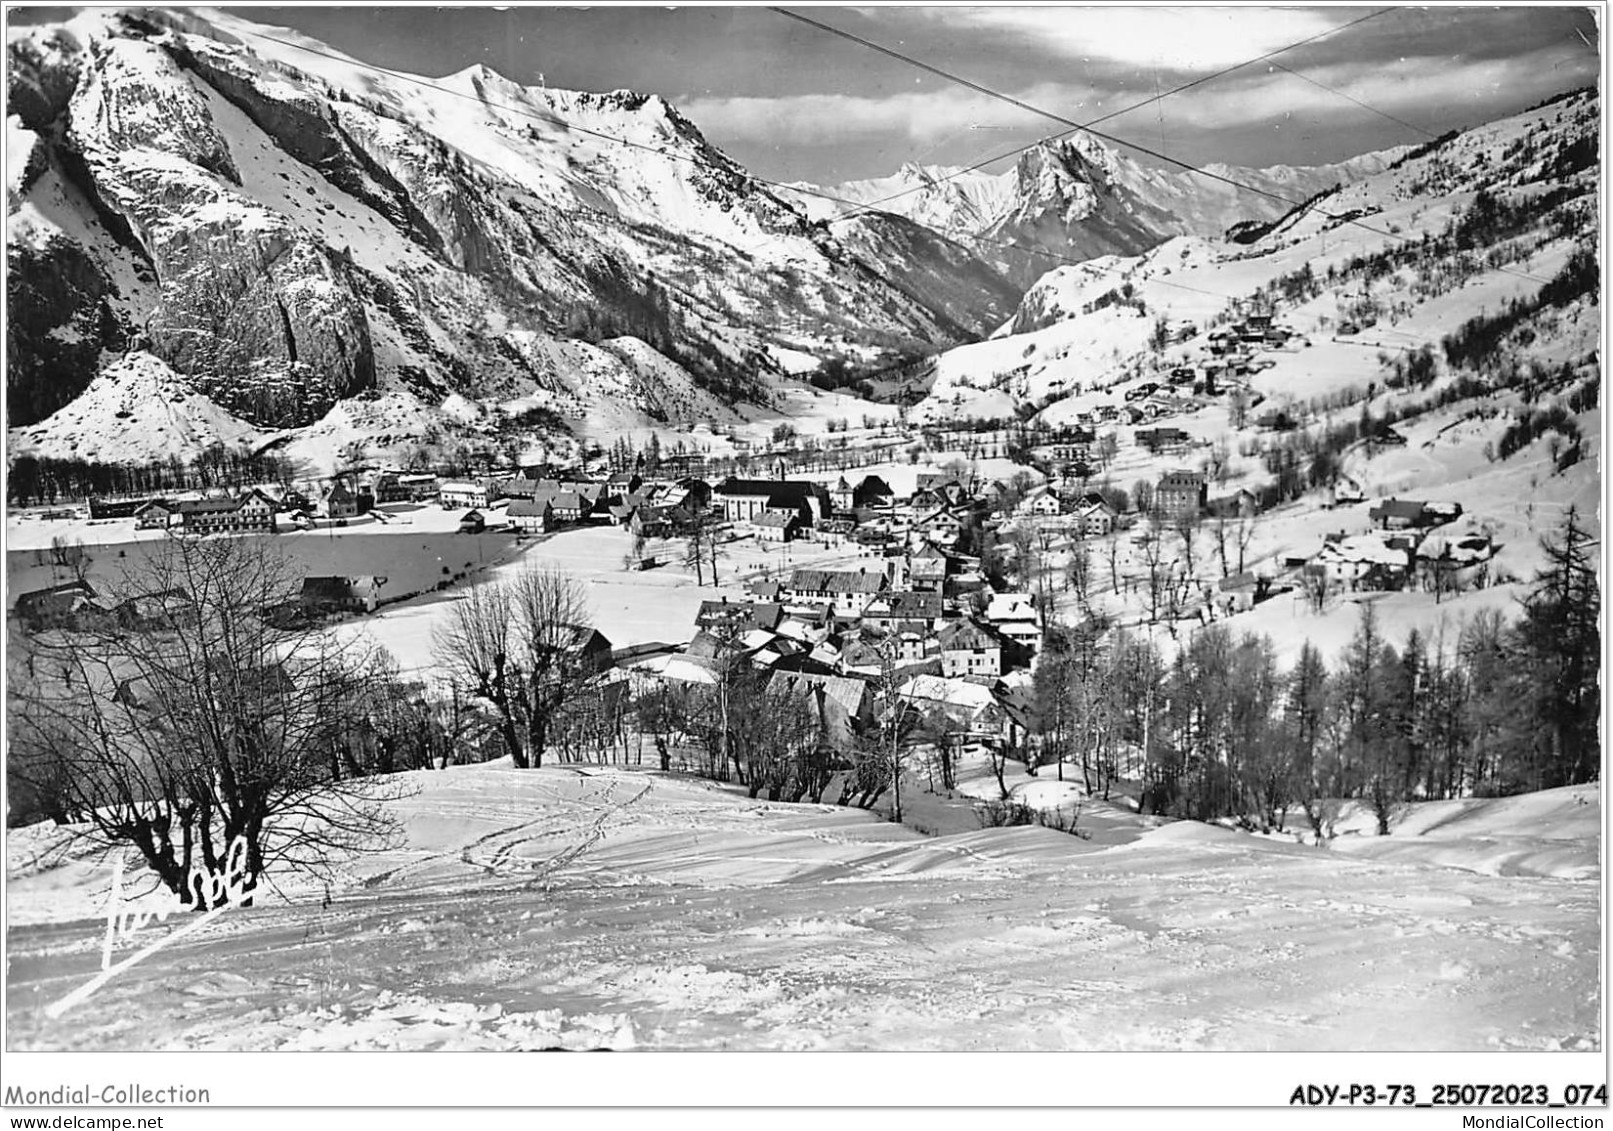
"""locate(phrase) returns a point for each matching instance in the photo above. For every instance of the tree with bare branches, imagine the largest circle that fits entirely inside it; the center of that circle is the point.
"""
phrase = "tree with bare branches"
(201, 737)
(519, 646)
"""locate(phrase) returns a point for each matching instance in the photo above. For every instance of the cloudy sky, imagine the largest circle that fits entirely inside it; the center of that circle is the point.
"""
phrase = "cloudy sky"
(794, 102)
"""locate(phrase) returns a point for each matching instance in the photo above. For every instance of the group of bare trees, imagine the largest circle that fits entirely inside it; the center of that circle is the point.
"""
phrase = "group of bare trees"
(193, 725)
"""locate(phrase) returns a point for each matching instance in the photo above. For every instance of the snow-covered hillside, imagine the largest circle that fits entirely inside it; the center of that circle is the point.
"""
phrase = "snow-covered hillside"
(285, 228)
(611, 907)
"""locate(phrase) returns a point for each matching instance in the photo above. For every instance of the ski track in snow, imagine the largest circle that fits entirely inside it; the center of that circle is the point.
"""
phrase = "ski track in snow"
(598, 907)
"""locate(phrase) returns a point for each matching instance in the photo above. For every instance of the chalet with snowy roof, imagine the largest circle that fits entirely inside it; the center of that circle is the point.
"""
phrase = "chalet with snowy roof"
(1365, 561)
(972, 706)
(530, 516)
(1446, 562)
(1013, 616)
(472, 522)
(456, 493)
(1180, 494)
(325, 595)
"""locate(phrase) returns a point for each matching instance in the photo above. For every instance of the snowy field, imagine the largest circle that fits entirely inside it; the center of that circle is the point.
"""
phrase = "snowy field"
(586, 907)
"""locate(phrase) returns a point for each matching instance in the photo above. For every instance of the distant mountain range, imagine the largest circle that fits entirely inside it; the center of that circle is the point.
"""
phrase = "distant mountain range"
(1076, 198)
(280, 237)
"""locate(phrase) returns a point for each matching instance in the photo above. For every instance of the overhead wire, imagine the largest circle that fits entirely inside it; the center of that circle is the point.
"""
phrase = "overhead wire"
(854, 207)
(980, 88)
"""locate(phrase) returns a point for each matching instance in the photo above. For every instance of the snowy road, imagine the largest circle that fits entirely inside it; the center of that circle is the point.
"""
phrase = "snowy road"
(595, 907)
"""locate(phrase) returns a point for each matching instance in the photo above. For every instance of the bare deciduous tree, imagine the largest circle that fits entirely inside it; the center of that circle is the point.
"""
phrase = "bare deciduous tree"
(198, 730)
(518, 646)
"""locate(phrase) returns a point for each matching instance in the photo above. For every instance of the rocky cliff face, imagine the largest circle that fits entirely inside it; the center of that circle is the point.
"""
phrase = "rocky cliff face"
(286, 229)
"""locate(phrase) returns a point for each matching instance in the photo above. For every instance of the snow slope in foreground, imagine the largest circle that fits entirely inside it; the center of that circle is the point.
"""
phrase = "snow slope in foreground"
(588, 906)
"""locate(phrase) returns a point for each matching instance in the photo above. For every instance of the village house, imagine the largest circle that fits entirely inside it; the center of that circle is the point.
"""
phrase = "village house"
(419, 488)
(60, 606)
(157, 515)
(843, 705)
(1158, 440)
(734, 617)
(1242, 591)
(972, 708)
(588, 649)
(518, 488)
(927, 569)
(472, 522)
(164, 609)
(872, 491)
(252, 513)
(1404, 514)
(1366, 561)
(325, 595)
(846, 592)
(530, 516)
(1040, 503)
(338, 500)
(456, 493)
(1013, 617)
(842, 496)
(1454, 562)
(886, 609)
(968, 650)
(385, 488)
(651, 522)
(1095, 517)
(776, 525)
(563, 505)
(1243, 503)
(939, 528)
(1180, 494)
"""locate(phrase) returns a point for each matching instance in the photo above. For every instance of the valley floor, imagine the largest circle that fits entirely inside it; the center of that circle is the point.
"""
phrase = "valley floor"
(588, 906)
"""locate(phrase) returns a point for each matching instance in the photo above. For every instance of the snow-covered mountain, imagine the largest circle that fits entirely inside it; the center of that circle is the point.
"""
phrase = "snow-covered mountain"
(284, 228)
(1469, 226)
(1077, 198)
